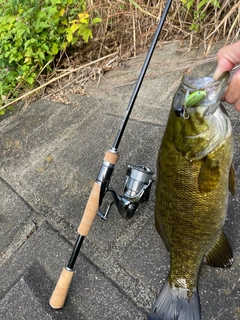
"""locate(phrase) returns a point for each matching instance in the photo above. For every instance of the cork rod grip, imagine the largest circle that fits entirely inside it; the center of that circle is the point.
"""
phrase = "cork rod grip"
(92, 206)
(90, 211)
(111, 157)
(59, 294)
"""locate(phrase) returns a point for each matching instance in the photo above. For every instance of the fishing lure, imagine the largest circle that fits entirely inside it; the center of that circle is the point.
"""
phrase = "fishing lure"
(194, 98)
(190, 100)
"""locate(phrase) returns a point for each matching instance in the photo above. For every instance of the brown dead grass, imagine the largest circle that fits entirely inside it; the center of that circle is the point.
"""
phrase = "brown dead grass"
(129, 25)
(127, 28)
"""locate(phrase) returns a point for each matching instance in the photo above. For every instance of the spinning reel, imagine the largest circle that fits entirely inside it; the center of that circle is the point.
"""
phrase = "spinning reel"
(136, 190)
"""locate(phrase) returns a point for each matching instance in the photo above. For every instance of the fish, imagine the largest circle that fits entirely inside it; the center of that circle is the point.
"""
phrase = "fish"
(195, 173)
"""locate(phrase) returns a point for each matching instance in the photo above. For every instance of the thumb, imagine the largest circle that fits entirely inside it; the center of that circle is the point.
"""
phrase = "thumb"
(227, 58)
(223, 65)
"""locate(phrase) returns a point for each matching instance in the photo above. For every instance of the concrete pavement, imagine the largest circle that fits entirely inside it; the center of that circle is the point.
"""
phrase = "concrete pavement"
(50, 156)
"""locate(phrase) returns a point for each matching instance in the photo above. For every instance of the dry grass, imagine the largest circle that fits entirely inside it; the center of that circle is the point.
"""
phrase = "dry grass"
(128, 27)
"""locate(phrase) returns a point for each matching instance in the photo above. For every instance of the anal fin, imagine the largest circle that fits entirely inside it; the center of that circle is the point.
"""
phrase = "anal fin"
(220, 254)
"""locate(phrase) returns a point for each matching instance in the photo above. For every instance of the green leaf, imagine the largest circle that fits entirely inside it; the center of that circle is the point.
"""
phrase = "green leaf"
(96, 20)
(29, 42)
(64, 45)
(87, 34)
(55, 48)
(74, 40)
(201, 4)
(74, 27)
(30, 80)
(43, 25)
(215, 3)
(54, 2)
(69, 37)
(84, 20)
(189, 4)
(41, 54)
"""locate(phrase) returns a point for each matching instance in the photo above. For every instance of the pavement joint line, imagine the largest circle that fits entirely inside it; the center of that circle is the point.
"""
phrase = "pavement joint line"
(100, 262)
(145, 295)
(116, 256)
(42, 210)
(19, 240)
(141, 120)
(17, 193)
(130, 282)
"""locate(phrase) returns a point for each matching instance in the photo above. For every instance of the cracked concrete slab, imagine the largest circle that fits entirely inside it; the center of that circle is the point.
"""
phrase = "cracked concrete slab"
(50, 154)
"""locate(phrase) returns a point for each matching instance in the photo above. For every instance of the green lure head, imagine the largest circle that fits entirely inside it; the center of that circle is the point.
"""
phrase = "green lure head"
(195, 98)
(200, 123)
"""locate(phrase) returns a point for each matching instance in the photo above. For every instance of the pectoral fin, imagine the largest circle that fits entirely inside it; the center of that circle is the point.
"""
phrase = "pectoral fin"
(232, 181)
(221, 253)
(209, 175)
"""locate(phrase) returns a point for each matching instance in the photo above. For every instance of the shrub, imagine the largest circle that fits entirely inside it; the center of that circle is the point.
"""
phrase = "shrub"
(200, 10)
(32, 33)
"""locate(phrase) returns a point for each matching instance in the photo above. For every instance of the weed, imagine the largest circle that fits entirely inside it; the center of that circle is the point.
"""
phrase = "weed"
(32, 33)
(199, 11)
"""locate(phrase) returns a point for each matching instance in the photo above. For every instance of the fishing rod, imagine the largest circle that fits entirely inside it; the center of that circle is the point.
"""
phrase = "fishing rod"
(136, 189)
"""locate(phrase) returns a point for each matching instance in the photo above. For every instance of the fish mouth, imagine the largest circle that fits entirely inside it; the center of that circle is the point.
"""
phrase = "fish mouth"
(219, 130)
(214, 90)
(205, 125)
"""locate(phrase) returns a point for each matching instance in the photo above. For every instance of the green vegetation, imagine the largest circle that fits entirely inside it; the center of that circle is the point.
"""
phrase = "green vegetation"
(129, 25)
(199, 10)
(32, 33)
(36, 34)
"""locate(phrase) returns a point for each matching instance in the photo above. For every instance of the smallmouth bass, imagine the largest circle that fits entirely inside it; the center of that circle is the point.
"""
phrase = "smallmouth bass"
(194, 176)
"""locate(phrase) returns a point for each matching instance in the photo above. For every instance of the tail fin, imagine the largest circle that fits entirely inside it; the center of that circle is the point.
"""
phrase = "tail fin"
(174, 304)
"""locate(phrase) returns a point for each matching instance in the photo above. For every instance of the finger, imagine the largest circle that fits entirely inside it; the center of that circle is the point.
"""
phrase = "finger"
(223, 65)
(232, 94)
(227, 57)
(237, 105)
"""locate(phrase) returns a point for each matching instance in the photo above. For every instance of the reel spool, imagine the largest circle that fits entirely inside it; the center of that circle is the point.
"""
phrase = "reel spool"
(137, 189)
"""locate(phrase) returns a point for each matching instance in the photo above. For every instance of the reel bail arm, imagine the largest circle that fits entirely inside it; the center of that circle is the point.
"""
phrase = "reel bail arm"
(136, 190)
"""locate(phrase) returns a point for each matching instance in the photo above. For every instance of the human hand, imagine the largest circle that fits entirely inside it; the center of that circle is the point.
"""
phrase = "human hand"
(227, 58)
